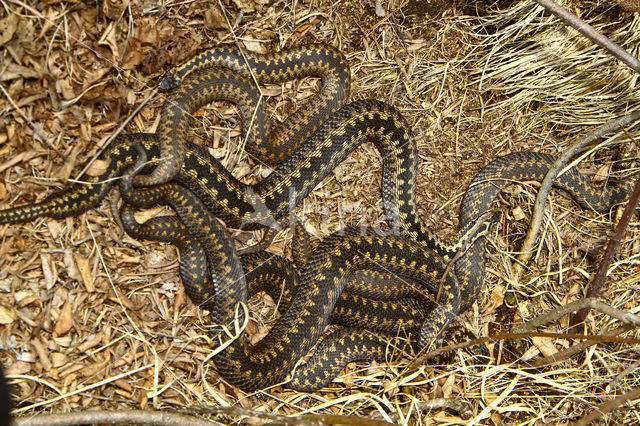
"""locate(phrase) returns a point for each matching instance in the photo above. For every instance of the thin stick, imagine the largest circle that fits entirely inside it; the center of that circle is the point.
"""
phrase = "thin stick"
(608, 407)
(588, 303)
(595, 36)
(607, 257)
(577, 348)
(419, 360)
(307, 419)
(591, 33)
(552, 174)
(117, 132)
(143, 417)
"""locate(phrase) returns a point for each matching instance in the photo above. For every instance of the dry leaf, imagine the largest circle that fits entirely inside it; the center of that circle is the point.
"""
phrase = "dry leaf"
(23, 156)
(64, 87)
(13, 71)
(70, 265)
(109, 39)
(65, 320)
(133, 57)
(118, 297)
(8, 27)
(260, 332)
(545, 345)
(69, 162)
(18, 367)
(447, 387)
(149, 33)
(7, 315)
(58, 359)
(602, 174)
(93, 369)
(517, 213)
(30, 300)
(214, 18)
(85, 272)
(255, 46)
(144, 215)
(93, 342)
(124, 384)
(246, 6)
(98, 168)
(416, 44)
(54, 228)
(497, 298)
(348, 381)
(49, 270)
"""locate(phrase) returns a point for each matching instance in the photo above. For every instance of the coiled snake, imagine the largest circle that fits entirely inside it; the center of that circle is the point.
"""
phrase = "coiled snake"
(262, 204)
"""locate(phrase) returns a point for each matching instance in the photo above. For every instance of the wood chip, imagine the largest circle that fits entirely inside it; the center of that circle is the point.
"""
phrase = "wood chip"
(43, 354)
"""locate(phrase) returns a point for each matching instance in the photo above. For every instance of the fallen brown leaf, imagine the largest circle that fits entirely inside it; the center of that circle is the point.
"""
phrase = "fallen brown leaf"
(98, 168)
(12, 71)
(58, 359)
(7, 315)
(65, 320)
(18, 367)
(85, 272)
(8, 27)
(23, 156)
(546, 345)
(49, 270)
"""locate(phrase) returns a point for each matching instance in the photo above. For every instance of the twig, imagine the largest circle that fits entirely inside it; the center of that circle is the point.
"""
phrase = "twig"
(552, 174)
(607, 257)
(630, 321)
(307, 419)
(607, 407)
(589, 303)
(117, 132)
(595, 36)
(503, 336)
(577, 348)
(114, 417)
(591, 33)
(77, 391)
(630, 369)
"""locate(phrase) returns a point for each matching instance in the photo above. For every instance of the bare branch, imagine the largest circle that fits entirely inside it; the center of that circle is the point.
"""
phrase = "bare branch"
(552, 174)
(591, 33)
(607, 407)
(607, 257)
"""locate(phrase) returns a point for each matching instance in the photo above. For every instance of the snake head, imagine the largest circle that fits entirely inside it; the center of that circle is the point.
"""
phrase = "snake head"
(169, 81)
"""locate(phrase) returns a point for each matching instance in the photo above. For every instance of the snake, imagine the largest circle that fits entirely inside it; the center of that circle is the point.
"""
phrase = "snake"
(241, 205)
(267, 363)
(81, 197)
(373, 299)
(365, 304)
(319, 60)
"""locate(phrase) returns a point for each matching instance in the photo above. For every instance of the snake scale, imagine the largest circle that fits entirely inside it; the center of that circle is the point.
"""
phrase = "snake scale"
(203, 185)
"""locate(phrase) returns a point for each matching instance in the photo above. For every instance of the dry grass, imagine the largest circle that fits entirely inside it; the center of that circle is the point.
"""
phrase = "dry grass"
(472, 88)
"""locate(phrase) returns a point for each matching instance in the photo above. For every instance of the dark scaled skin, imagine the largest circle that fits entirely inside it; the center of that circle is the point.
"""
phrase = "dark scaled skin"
(321, 283)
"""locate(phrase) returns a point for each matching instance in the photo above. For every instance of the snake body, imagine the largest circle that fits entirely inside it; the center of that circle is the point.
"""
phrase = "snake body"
(321, 283)
(373, 299)
(319, 61)
(411, 251)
